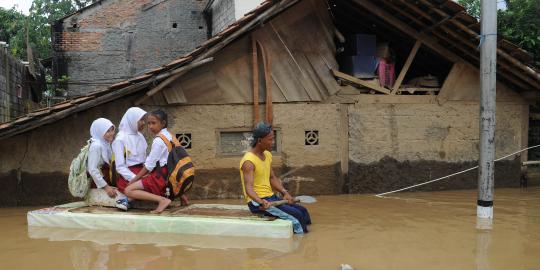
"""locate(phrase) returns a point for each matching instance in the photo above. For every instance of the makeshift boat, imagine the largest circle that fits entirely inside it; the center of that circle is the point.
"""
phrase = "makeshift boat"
(200, 219)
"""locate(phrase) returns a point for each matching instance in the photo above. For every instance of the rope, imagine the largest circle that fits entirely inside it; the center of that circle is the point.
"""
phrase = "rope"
(450, 175)
(482, 39)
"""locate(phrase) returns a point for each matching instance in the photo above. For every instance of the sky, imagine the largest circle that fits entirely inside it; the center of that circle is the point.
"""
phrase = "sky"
(24, 5)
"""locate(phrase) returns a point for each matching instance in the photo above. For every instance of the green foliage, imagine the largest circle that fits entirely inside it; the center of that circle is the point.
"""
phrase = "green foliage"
(519, 23)
(472, 7)
(42, 14)
(12, 22)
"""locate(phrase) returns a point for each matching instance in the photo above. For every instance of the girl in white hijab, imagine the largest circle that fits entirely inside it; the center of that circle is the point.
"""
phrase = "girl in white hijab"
(129, 149)
(100, 155)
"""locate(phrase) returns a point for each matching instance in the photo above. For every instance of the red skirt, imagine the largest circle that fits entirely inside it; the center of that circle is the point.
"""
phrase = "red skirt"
(153, 183)
(156, 183)
(105, 171)
(122, 183)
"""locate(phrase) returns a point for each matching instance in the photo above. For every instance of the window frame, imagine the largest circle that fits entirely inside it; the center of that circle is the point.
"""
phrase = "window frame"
(219, 131)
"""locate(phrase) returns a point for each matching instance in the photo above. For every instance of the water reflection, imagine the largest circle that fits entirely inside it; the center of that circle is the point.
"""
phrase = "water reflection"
(162, 239)
(483, 240)
(93, 249)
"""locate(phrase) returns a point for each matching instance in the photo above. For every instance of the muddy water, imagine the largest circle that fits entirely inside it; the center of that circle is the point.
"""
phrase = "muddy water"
(432, 230)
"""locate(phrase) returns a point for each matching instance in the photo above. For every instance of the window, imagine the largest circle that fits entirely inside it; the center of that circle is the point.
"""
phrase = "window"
(236, 143)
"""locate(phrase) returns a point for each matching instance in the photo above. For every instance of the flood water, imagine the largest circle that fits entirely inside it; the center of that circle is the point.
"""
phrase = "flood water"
(428, 230)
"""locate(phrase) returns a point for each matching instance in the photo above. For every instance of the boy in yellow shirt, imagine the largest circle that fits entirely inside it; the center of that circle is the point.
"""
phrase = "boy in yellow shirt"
(259, 181)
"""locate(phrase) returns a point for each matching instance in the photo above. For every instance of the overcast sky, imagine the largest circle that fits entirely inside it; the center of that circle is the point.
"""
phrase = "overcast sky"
(24, 5)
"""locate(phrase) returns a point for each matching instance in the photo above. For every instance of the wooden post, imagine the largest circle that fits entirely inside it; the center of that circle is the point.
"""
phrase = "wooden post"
(405, 68)
(488, 82)
(255, 72)
(267, 83)
(268, 88)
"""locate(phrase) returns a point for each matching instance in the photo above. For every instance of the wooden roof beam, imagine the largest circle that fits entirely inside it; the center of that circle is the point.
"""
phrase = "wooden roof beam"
(405, 68)
(441, 22)
(502, 53)
(502, 63)
(368, 84)
(398, 24)
(404, 13)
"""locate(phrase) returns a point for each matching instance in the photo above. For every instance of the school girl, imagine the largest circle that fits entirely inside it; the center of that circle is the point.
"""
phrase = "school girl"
(100, 155)
(150, 182)
(129, 150)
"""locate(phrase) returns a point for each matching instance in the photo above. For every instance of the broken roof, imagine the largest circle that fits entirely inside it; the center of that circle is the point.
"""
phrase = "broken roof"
(444, 27)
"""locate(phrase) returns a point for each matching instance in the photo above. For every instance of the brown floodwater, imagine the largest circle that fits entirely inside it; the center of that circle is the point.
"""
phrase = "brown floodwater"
(423, 230)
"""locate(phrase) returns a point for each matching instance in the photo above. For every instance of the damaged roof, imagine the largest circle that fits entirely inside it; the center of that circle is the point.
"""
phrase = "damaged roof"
(437, 23)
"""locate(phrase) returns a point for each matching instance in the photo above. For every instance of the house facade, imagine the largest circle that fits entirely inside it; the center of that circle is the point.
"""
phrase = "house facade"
(335, 133)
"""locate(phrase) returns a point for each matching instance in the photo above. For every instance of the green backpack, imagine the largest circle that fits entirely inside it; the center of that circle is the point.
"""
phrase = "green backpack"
(78, 181)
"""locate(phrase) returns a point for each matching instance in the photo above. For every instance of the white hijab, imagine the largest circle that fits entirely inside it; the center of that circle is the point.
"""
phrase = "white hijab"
(98, 129)
(129, 134)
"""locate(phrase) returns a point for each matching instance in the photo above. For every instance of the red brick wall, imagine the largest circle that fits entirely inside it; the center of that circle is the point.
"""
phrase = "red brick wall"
(81, 41)
(113, 15)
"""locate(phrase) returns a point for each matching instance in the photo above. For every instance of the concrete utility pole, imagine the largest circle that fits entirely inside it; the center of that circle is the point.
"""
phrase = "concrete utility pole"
(488, 68)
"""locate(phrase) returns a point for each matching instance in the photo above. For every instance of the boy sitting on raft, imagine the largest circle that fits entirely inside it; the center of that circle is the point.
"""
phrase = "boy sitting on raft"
(258, 180)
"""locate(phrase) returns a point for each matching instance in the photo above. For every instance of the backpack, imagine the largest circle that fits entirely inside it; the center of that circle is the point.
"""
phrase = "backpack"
(180, 169)
(78, 181)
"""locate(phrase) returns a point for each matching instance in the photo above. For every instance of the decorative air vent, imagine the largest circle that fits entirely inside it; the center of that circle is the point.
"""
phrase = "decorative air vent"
(311, 137)
(184, 139)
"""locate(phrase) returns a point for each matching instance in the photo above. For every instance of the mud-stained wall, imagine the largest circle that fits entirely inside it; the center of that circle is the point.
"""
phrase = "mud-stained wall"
(34, 165)
(395, 142)
(427, 131)
(217, 174)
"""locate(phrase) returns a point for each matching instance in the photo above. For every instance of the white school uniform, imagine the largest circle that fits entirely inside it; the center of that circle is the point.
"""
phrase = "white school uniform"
(158, 152)
(99, 151)
(129, 143)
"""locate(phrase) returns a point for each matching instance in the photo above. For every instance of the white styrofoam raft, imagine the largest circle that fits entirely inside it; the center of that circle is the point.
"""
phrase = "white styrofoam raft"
(61, 217)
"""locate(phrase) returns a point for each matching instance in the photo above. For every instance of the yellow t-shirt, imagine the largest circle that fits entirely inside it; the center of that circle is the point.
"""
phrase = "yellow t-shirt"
(261, 175)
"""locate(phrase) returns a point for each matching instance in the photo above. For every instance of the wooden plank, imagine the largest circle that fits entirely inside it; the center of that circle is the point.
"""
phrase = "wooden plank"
(267, 83)
(451, 81)
(255, 74)
(309, 87)
(344, 145)
(411, 90)
(283, 70)
(324, 72)
(303, 36)
(524, 130)
(174, 95)
(175, 74)
(200, 85)
(364, 83)
(157, 100)
(405, 68)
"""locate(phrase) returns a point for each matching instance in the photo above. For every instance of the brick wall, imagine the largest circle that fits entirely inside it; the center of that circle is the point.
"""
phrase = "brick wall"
(222, 15)
(119, 39)
(80, 41)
